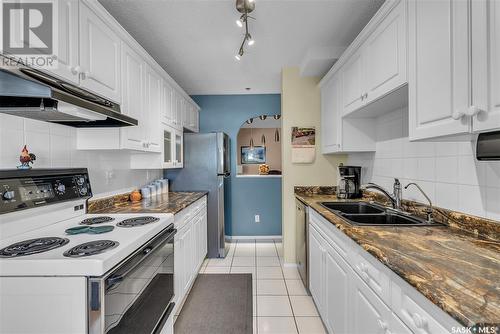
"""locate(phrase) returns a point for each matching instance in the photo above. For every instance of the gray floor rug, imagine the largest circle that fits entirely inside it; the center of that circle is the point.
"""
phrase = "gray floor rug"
(218, 304)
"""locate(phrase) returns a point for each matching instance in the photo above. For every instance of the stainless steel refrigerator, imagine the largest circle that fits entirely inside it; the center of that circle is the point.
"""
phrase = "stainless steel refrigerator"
(207, 167)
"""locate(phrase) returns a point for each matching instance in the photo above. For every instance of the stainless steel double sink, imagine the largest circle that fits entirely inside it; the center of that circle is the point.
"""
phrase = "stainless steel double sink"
(370, 214)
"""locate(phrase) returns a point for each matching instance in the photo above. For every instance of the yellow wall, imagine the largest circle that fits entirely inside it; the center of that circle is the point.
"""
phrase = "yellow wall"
(301, 106)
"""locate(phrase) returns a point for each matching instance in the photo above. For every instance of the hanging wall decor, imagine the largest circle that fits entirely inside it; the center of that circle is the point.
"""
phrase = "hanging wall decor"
(26, 158)
(303, 144)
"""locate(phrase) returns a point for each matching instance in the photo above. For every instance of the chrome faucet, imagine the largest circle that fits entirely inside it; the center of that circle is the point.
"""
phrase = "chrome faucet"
(430, 210)
(395, 198)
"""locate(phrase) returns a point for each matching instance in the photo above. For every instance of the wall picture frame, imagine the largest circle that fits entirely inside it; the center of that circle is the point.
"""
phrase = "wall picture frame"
(255, 155)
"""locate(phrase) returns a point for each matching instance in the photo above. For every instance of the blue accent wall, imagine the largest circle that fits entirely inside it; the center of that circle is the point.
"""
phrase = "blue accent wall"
(245, 197)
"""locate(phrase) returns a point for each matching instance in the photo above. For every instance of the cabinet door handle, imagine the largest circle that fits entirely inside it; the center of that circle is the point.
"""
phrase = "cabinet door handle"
(364, 271)
(85, 75)
(362, 97)
(382, 324)
(365, 95)
(457, 114)
(419, 321)
(469, 112)
(75, 70)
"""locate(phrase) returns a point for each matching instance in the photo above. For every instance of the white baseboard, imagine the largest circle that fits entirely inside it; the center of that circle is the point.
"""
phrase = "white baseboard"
(253, 237)
(290, 265)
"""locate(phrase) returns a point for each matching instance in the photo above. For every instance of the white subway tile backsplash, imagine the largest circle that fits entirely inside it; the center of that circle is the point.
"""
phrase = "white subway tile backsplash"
(426, 169)
(9, 122)
(492, 174)
(39, 144)
(466, 148)
(469, 170)
(446, 149)
(493, 203)
(31, 125)
(410, 167)
(9, 139)
(447, 171)
(472, 199)
(55, 147)
(447, 196)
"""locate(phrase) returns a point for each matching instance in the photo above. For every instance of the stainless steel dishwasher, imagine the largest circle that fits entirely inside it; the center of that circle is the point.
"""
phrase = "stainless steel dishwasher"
(301, 241)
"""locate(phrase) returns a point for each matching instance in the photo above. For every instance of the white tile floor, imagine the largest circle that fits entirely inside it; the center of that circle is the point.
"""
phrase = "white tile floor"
(280, 303)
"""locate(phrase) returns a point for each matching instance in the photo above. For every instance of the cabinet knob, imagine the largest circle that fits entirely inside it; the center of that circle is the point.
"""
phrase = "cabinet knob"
(382, 324)
(469, 112)
(473, 111)
(457, 114)
(75, 70)
(419, 321)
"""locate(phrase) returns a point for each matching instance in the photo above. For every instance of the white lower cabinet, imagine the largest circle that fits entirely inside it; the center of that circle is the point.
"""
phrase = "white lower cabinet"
(356, 294)
(316, 266)
(370, 314)
(337, 295)
(190, 247)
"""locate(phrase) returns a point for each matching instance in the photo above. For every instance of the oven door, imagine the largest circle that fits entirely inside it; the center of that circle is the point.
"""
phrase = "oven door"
(136, 297)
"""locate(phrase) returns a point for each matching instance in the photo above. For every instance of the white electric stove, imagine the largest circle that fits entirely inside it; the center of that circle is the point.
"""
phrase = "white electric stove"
(65, 271)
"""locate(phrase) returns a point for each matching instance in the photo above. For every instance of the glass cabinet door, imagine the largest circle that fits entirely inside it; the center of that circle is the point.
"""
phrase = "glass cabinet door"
(168, 147)
(178, 149)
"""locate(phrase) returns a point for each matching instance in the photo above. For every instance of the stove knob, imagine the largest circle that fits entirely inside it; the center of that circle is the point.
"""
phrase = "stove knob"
(60, 188)
(83, 191)
(8, 195)
(80, 180)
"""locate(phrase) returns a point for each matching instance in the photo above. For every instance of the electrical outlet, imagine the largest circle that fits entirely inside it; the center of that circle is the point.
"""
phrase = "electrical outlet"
(257, 218)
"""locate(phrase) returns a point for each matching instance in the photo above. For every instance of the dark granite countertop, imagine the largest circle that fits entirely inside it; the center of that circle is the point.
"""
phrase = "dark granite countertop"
(457, 270)
(173, 202)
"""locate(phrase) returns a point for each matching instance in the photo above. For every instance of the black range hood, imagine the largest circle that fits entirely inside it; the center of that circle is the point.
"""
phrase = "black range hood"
(27, 92)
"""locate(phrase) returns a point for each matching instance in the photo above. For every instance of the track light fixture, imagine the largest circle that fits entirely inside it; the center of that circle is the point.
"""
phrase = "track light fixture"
(245, 7)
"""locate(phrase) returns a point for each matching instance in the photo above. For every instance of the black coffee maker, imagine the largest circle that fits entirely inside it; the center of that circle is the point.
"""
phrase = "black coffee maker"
(349, 182)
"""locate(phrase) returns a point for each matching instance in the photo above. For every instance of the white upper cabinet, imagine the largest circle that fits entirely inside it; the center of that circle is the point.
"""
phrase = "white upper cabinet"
(168, 110)
(339, 134)
(133, 86)
(153, 103)
(365, 82)
(439, 67)
(179, 101)
(385, 55)
(378, 65)
(67, 53)
(485, 106)
(99, 55)
(352, 83)
(330, 116)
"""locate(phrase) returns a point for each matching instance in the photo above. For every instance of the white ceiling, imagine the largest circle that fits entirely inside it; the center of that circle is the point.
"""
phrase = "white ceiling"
(196, 40)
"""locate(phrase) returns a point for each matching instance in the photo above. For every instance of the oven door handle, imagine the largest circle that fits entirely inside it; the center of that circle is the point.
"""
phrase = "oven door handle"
(115, 279)
(163, 319)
